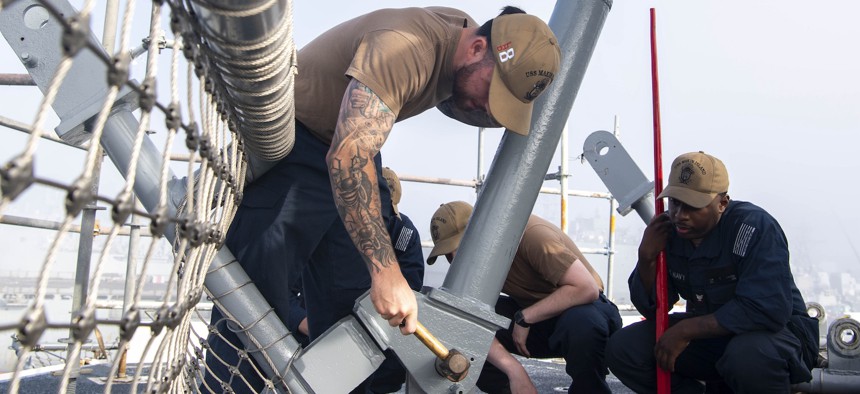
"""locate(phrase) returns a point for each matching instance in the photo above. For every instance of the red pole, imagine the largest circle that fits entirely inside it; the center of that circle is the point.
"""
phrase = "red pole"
(663, 378)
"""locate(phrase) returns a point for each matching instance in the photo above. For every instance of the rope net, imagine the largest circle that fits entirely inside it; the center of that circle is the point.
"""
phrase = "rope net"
(115, 275)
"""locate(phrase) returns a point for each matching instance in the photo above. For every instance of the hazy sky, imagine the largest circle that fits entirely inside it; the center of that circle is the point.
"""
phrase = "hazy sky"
(770, 87)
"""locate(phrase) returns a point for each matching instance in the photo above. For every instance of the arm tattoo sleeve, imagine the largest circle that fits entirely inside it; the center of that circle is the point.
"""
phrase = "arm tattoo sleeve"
(362, 127)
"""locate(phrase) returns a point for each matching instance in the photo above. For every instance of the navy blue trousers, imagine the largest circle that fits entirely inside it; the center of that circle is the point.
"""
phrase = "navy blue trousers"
(288, 221)
(578, 335)
(753, 362)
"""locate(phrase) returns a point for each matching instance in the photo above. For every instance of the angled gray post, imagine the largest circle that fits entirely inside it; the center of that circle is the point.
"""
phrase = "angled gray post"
(518, 170)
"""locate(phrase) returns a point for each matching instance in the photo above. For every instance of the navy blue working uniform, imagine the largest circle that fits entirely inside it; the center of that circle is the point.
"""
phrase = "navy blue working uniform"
(578, 335)
(407, 248)
(739, 273)
(270, 243)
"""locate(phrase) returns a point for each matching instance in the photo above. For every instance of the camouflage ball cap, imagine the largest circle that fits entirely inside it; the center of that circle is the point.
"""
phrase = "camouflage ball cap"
(527, 58)
(696, 178)
(447, 227)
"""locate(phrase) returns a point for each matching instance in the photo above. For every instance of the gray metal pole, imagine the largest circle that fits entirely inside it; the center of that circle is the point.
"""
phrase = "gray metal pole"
(52, 225)
(515, 178)
(16, 80)
(130, 282)
(82, 272)
(479, 179)
(562, 180)
(610, 255)
(118, 141)
(15, 125)
(109, 31)
(610, 250)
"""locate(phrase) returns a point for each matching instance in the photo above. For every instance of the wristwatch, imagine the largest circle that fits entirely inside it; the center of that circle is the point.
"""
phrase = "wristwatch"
(520, 319)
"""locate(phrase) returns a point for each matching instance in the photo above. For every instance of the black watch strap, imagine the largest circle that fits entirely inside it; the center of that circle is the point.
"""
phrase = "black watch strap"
(520, 320)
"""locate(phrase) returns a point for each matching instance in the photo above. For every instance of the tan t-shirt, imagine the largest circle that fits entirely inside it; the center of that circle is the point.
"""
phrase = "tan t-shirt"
(405, 56)
(544, 255)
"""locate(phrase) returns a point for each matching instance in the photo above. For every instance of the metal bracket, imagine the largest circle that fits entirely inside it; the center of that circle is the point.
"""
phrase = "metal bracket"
(348, 342)
(456, 328)
(843, 345)
(33, 33)
(620, 174)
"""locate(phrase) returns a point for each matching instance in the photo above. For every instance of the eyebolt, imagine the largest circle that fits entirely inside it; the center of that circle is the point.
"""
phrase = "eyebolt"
(848, 336)
(843, 337)
(815, 310)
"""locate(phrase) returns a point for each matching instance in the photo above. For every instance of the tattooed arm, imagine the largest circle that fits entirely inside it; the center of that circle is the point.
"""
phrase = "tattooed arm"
(362, 127)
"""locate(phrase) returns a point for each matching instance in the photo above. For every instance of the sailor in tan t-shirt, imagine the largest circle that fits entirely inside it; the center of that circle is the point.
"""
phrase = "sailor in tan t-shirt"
(554, 299)
(324, 209)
